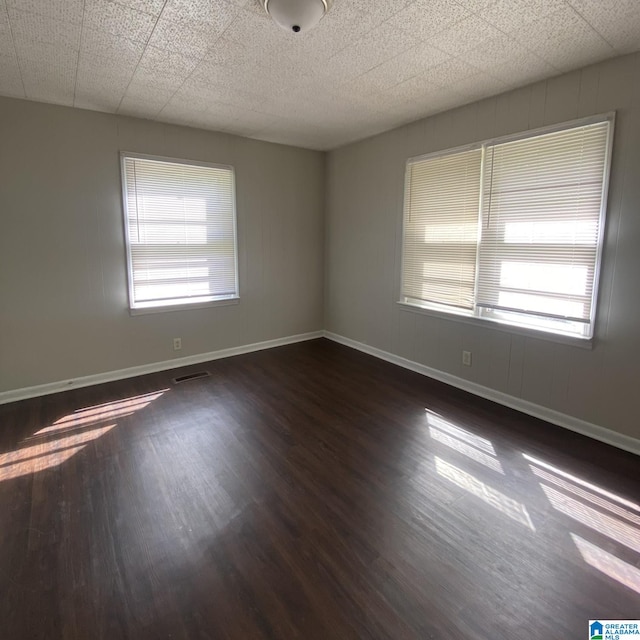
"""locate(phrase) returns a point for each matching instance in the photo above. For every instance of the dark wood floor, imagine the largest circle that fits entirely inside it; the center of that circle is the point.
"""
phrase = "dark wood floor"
(307, 492)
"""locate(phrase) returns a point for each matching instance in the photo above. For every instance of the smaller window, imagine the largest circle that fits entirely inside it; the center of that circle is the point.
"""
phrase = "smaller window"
(510, 230)
(180, 226)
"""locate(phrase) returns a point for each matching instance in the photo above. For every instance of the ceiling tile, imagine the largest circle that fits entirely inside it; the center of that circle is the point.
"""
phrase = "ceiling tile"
(298, 134)
(404, 66)
(192, 106)
(521, 69)
(368, 65)
(478, 86)
(51, 56)
(8, 60)
(171, 63)
(39, 28)
(96, 99)
(187, 37)
(229, 52)
(335, 32)
(49, 83)
(597, 11)
(185, 119)
(355, 18)
(426, 18)
(53, 94)
(475, 6)
(4, 17)
(450, 72)
(411, 89)
(421, 106)
(625, 38)
(620, 27)
(186, 105)
(95, 70)
(61, 67)
(180, 119)
(70, 11)
(144, 107)
(551, 28)
(10, 78)
(210, 77)
(108, 45)
(377, 46)
(159, 85)
(259, 31)
(576, 50)
(491, 52)
(564, 39)
(510, 15)
(121, 21)
(152, 7)
(11, 86)
(235, 97)
(464, 35)
(218, 115)
(222, 78)
(6, 42)
(216, 12)
(251, 121)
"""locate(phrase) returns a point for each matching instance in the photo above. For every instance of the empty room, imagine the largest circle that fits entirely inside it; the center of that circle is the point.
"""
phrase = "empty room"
(319, 319)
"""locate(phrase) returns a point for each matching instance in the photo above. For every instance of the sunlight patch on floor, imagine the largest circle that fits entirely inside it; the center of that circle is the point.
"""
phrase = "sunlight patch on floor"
(511, 508)
(607, 563)
(53, 445)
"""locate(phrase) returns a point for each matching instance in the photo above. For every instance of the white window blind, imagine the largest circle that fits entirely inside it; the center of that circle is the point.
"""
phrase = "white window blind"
(511, 230)
(181, 232)
(541, 225)
(441, 229)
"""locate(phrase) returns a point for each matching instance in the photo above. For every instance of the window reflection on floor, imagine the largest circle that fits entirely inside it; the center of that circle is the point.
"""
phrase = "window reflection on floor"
(594, 487)
(605, 514)
(512, 508)
(439, 422)
(465, 449)
(587, 495)
(610, 565)
(46, 454)
(107, 411)
(55, 444)
(606, 525)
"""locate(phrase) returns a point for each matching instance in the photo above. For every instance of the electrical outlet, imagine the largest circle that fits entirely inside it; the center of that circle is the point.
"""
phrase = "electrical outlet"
(177, 344)
(466, 358)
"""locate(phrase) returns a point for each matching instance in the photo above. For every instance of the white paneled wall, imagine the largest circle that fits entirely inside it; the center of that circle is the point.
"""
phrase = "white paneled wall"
(63, 284)
(363, 228)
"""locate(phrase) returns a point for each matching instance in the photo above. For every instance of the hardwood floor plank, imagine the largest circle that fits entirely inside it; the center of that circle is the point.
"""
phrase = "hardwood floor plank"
(309, 492)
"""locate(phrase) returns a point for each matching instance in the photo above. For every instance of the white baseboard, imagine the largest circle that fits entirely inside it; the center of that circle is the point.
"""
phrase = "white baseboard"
(594, 431)
(154, 367)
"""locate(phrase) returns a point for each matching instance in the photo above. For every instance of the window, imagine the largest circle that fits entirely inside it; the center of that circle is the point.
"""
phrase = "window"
(180, 227)
(510, 230)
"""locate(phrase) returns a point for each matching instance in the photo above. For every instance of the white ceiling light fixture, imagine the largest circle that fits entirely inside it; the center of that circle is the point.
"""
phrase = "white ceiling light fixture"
(297, 16)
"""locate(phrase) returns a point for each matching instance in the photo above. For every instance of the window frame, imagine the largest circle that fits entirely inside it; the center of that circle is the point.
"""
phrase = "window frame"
(180, 306)
(476, 316)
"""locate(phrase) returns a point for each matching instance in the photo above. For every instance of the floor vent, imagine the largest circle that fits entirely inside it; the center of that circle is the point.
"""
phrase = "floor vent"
(191, 376)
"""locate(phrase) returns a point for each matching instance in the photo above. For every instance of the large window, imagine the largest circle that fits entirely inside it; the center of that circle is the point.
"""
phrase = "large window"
(180, 226)
(510, 230)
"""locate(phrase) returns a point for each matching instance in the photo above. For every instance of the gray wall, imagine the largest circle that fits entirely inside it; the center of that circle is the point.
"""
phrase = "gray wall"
(363, 227)
(63, 293)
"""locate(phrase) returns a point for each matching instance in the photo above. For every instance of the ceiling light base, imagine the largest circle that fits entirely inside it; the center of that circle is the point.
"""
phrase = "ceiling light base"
(296, 16)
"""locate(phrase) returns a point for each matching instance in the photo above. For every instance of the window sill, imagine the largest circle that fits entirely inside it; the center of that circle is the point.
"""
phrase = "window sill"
(540, 334)
(143, 311)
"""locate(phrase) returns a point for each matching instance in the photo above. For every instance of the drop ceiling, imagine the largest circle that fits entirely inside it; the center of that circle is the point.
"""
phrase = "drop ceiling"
(370, 65)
